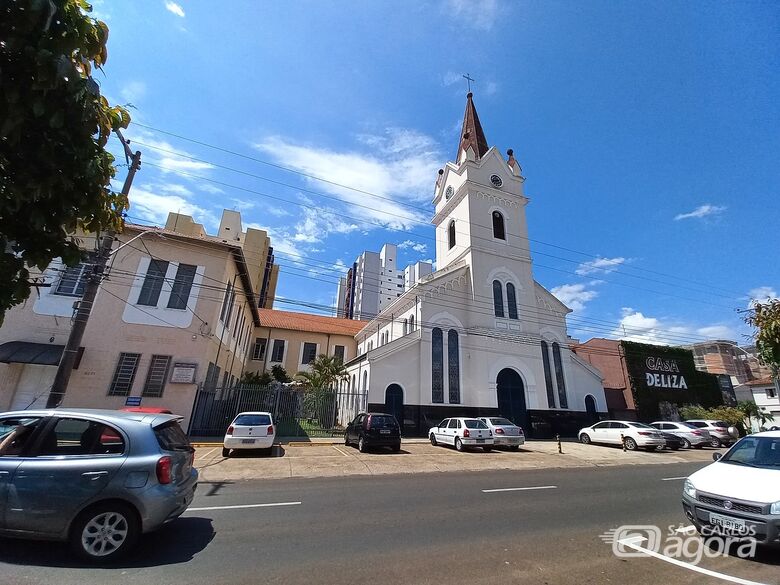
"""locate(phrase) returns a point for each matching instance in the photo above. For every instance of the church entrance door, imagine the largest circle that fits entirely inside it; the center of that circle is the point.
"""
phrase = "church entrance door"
(394, 404)
(511, 398)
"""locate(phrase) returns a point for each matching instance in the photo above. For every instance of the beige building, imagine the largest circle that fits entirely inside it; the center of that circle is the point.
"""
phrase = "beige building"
(177, 308)
(721, 356)
(293, 340)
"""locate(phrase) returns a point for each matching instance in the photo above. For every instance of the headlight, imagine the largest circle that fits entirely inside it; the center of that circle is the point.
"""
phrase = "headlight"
(689, 490)
(775, 508)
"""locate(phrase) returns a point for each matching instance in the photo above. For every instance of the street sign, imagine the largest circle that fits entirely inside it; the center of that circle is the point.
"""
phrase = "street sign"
(133, 401)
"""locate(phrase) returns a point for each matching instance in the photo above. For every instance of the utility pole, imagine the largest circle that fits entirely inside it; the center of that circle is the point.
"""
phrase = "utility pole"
(69, 354)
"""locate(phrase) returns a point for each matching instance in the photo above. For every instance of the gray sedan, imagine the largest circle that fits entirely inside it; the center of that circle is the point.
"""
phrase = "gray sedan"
(96, 478)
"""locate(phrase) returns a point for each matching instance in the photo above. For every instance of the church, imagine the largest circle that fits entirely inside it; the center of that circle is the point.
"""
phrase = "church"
(479, 336)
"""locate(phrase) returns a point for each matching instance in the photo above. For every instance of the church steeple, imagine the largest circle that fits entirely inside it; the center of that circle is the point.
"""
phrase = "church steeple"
(473, 144)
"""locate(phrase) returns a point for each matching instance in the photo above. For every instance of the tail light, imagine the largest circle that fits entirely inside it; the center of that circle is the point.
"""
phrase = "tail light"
(697, 433)
(230, 430)
(499, 431)
(270, 429)
(646, 434)
(192, 457)
(164, 468)
(466, 433)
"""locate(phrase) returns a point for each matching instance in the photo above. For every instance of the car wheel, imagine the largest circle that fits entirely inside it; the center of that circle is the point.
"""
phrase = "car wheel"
(686, 444)
(458, 444)
(716, 443)
(585, 439)
(487, 449)
(105, 532)
(699, 446)
(630, 444)
(514, 448)
(362, 445)
(433, 439)
(346, 440)
(225, 452)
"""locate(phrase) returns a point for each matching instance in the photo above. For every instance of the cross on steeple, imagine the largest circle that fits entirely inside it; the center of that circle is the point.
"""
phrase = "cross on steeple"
(468, 80)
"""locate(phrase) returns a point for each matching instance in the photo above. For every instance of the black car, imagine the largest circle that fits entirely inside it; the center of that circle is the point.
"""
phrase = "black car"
(673, 442)
(373, 429)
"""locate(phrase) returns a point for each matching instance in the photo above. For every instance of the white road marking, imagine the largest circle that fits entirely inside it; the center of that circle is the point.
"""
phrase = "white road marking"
(204, 455)
(674, 478)
(631, 543)
(340, 451)
(686, 529)
(521, 489)
(243, 506)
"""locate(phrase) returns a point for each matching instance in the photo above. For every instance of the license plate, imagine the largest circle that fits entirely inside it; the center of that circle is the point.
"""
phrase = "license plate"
(247, 441)
(384, 431)
(480, 440)
(727, 522)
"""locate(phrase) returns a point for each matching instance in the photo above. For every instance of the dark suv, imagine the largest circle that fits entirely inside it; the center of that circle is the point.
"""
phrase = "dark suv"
(373, 429)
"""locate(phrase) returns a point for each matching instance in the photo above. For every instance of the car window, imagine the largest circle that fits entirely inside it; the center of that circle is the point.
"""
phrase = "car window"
(443, 424)
(475, 424)
(171, 437)
(640, 425)
(502, 422)
(762, 452)
(618, 425)
(252, 420)
(453, 423)
(687, 425)
(720, 424)
(699, 424)
(75, 436)
(15, 434)
(382, 421)
(601, 425)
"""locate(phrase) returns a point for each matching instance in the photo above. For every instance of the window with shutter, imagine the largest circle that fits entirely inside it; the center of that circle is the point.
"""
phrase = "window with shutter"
(182, 285)
(155, 276)
(156, 376)
(124, 374)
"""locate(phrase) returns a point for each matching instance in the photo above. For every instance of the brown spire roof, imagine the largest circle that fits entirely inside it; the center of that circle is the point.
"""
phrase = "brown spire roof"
(472, 134)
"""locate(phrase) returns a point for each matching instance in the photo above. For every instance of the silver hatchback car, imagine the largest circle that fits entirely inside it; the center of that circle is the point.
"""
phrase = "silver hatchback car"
(96, 478)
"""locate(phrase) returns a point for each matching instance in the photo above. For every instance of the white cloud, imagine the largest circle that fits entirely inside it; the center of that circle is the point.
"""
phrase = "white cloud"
(399, 166)
(133, 91)
(491, 87)
(210, 189)
(451, 78)
(574, 296)
(174, 8)
(412, 245)
(153, 203)
(636, 326)
(479, 14)
(701, 211)
(762, 293)
(275, 211)
(169, 158)
(601, 265)
(717, 332)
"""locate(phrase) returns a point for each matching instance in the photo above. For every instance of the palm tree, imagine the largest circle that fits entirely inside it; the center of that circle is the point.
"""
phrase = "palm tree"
(325, 372)
(751, 410)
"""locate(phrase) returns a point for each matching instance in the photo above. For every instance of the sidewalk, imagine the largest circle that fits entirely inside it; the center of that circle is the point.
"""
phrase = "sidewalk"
(322, 458)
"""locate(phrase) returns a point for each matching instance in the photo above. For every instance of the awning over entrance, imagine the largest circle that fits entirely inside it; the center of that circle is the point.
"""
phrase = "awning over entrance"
(27, 352)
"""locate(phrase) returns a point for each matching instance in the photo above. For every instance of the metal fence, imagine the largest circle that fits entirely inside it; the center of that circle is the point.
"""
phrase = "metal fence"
(297, 411)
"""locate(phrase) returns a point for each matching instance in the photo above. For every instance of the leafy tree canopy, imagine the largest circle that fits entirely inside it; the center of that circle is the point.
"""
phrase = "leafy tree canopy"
(55, 172)
(325, 372)
(765, 317)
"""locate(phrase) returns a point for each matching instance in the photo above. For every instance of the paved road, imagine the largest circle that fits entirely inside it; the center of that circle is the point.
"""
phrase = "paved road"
(415, 529)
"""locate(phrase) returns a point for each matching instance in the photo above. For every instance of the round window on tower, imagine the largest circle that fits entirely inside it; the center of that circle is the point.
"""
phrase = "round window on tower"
(496, 180)
(448, 193)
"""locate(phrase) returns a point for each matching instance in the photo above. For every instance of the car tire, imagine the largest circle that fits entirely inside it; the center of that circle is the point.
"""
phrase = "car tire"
(458, 444)
(362, 445)
(630, 444)
(122, 529)
(487, 449)
(225, 452)
(433, 440)
(686, 444)
(699, 446)
(514, 448)
(585, 439)
(346, 440)
(716, 443)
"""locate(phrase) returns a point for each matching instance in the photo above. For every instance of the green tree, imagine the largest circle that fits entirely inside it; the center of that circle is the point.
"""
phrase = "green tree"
(280, 374)
(55, 172)
(751, 410)
(256, 379)
(765, 317)
(325, 372)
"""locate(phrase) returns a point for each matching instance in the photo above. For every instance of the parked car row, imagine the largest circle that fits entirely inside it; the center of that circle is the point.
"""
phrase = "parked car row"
(659, 434)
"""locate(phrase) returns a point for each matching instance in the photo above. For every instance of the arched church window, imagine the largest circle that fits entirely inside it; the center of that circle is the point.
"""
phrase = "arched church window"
(453, 366)
(548, 381)
(498, 299)
(511, 300)
(437, 366)
(562, 399)
(411, 323)
(406, 326)
(498, 226)
(451, 232)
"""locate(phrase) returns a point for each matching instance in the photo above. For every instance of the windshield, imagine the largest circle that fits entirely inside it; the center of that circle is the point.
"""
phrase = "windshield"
(720, 424)
(502, 422)
(171, 437)
(475, 424)
(755, 452)
(689, 425)
(252, 420)
(382, 421)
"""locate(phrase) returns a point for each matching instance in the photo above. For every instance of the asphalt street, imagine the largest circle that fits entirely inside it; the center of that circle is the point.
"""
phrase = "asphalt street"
(530, 526)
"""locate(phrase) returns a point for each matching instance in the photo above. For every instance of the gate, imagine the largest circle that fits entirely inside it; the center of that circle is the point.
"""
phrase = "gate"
(297, 412)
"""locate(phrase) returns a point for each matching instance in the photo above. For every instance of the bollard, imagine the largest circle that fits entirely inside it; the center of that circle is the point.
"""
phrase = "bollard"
(558, 438)
(623, 441)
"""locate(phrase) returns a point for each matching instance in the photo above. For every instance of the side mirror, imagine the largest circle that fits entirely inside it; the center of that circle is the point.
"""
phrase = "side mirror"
(716, 456)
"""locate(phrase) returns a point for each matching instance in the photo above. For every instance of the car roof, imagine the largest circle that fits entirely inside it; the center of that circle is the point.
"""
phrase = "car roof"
(769, 434)
(114, 416)
(253, 412)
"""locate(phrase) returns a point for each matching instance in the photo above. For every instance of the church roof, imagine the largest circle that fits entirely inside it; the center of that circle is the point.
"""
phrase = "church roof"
(472, 134)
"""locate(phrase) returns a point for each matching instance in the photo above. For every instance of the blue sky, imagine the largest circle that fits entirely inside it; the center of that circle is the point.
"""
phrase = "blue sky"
(648, 134)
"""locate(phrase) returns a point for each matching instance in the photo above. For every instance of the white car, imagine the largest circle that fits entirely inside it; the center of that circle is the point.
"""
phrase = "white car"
(462, 433)
(250, 430)
(720, 432)
(690, 434)
(738, 494)
(609, 432)
(505, 432)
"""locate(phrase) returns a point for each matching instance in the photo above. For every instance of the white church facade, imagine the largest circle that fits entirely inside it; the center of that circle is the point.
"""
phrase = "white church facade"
(479, 336)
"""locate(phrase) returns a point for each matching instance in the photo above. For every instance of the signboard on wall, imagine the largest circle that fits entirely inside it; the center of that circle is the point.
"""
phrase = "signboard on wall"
(183, 373)
(133, 401)
(664, 373)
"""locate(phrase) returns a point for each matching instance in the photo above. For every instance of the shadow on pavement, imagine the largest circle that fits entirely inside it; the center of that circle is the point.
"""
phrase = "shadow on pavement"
(764, 555)
(176, 543)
